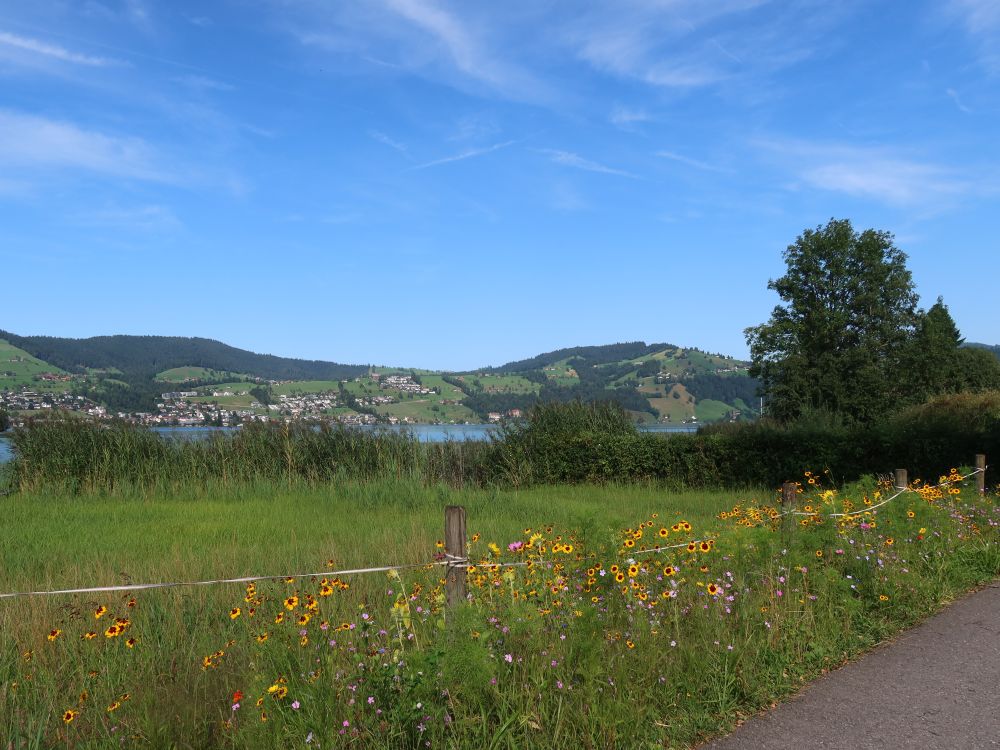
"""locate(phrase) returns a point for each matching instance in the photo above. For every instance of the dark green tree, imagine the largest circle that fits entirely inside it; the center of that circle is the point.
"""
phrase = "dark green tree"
(836, 344)
(936, 362)
(4, 420)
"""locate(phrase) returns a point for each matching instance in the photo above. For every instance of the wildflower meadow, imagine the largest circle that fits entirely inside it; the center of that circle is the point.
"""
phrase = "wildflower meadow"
(597, 616)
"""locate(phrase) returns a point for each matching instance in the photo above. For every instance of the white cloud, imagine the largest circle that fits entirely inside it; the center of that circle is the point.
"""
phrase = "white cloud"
(981, 19)
(469, 154)
(688, 161)
(387, 141)
(202, 83)
(53, 51)
(143, 218)
(871, 172)
(569, 159)
(625, 117)
(29, 141)
(953, 95)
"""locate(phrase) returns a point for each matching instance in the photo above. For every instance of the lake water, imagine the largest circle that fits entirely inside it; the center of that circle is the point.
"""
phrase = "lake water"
(425, 433)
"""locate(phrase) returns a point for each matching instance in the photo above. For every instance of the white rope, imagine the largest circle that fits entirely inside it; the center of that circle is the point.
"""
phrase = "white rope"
(669, 546)
(452, 561)
(902, 490)
(246, 579)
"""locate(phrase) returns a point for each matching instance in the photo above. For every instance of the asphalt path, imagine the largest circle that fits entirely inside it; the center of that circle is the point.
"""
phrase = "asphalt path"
(935, 686)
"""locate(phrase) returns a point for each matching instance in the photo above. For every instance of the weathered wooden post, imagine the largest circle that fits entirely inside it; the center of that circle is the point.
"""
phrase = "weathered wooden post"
(901, 481)
(789, 491)
(981, 476)
(454, 547)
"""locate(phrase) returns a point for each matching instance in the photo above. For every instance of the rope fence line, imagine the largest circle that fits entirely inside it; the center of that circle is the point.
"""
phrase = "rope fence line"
(902, 491)
(452, 562)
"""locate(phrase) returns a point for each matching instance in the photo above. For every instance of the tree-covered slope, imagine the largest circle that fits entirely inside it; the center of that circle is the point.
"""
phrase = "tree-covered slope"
(147, 355)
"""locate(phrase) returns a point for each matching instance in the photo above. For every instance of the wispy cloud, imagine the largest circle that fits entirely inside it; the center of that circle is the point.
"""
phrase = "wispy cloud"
(140, 218)
(29, 141)
(953, 95)
(569, 159)
(687, 44)
(203, 83)
(627, 117)
(681, 159)
(390, 142)
(468, 154)
(981, 19)
(872, 172)
(53, 51)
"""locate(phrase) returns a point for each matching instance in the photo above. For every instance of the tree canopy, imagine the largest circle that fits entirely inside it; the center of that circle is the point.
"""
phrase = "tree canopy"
(836, 343)
(849, 340)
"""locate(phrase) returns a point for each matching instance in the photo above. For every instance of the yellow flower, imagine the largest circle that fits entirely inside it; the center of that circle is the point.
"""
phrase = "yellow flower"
(234, 613)
(69, 716)
(53, 634)
(100, 612)
(291, 603)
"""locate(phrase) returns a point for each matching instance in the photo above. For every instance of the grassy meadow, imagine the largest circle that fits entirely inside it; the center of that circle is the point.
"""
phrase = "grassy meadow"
(590, 640)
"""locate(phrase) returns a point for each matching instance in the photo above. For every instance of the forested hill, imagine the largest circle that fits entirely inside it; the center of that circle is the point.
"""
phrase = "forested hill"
(592, 354)
(148, 355)
(987, 347)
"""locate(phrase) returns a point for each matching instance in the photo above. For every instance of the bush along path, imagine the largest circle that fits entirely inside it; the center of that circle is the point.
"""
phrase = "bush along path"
(933, 687)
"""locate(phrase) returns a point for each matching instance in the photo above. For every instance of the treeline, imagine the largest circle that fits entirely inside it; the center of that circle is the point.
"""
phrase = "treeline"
(148, 355)
(587, 354)
(559, 443)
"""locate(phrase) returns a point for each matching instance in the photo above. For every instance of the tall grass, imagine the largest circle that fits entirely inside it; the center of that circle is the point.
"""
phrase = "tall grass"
(558, 443)
(555, 655)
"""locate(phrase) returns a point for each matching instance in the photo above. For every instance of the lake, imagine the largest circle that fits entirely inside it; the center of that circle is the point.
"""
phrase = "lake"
(425, 433)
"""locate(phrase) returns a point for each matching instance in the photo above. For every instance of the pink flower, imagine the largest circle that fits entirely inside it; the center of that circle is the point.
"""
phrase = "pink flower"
(295, 705)
(780, 592)
(508, 658)
(515, 546)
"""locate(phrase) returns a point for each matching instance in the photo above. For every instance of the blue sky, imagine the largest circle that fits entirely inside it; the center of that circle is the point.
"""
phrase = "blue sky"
(453, 184)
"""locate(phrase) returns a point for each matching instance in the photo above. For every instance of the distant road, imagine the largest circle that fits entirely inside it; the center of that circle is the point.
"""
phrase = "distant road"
(936, 687)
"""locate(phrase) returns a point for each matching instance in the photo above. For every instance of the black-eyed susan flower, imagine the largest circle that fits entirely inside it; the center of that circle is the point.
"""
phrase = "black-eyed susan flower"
(712, 589)
(89, 635)
(235, 612)
(69, 716)
(669, 570)
(100, 612)
(53, 634)
(291, 603)
(131, 642)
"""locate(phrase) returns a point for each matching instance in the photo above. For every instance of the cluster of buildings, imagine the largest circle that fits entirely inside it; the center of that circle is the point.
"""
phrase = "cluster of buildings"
(404, 383)
(26, 400)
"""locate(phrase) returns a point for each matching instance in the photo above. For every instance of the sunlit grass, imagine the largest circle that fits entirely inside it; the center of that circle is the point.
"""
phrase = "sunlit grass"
(557, 654)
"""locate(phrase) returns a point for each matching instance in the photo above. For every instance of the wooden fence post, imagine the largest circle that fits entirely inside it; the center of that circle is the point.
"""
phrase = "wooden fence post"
(981, 476)
(789, 491)
(454, 547)
(901, 481)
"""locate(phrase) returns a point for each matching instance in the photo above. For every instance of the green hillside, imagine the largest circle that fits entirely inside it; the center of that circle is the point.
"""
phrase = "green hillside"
(655, 382)
(19, 369)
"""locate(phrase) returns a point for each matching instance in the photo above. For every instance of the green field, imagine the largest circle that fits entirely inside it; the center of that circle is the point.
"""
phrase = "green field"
(187, 374)
(709, 410)
(491, 383)
(556, 655)
(19, 369)
(305, 386)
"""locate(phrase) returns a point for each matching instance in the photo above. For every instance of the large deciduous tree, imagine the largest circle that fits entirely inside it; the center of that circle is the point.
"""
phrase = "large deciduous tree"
(835, 344)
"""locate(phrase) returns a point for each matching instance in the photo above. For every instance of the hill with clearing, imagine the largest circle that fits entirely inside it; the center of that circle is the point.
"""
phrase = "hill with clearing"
(656, 382)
